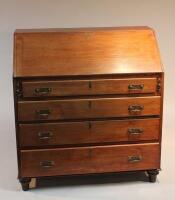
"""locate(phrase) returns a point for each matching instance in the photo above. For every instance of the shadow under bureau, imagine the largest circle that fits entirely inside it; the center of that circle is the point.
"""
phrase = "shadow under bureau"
(87, 101)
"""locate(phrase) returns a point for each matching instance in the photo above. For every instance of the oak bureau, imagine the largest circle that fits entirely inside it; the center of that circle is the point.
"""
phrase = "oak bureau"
(87, 101)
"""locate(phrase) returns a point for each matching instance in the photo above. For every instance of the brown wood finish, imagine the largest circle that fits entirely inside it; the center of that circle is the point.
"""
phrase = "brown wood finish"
(86, 52)
(87, 108)
(95, 159)
(89, 87)
(39, 135)
(87, 100)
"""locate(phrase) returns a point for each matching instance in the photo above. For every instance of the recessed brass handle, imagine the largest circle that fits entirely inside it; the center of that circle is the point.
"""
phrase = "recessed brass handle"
(43, 113)
(135, 131)
(45, 135)
(134, 109)
(47, 163)
(135, 87)
(43, 91)
(134, 159)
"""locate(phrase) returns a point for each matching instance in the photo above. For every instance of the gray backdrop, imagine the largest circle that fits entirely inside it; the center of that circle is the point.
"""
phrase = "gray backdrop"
(159, 14)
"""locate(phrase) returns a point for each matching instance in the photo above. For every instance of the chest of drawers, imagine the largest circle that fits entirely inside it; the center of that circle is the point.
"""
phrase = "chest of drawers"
(87, 101)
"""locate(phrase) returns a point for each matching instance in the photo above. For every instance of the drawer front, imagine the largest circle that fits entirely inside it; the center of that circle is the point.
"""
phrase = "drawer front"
(88, 108)
(35, 163)
(88, 87)
(88, 132)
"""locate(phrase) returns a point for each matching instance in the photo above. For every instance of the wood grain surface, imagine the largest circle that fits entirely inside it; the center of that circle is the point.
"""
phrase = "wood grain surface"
(88, 132)
(86, 52)
(97, 159)
(87, 108)
(89, 87)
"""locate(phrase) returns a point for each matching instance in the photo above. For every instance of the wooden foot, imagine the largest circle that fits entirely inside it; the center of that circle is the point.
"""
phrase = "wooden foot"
(25, 183)
(152, 175)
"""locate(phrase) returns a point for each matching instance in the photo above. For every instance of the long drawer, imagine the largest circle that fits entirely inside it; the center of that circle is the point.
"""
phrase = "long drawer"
(45, 134)
(49, 162)
(88, 108)
(88, 87)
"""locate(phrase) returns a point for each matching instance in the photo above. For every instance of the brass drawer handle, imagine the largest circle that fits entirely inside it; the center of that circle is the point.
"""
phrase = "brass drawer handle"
(45, 135)
(135, 87)
(134, 159)
(43, 91)
(43, 113)
(135, 131)
(135, 109)
(47, 164)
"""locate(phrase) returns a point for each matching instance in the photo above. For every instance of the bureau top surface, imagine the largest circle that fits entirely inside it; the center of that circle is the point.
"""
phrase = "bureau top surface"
(85, 51)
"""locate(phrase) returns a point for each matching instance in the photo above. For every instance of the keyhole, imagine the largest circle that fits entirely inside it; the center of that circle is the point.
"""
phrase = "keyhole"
(90, 104)
(89, 125)
(90, 85)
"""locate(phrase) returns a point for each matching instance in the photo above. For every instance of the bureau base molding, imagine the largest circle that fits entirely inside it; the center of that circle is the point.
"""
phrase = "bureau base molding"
(87, 105)
(144, 175)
